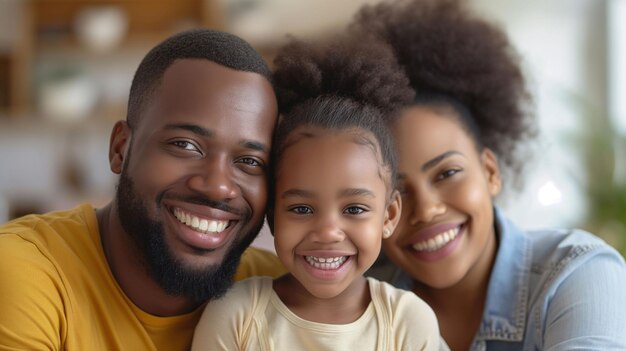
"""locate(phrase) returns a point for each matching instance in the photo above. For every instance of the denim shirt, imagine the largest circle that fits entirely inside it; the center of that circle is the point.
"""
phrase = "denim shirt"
(548, 290)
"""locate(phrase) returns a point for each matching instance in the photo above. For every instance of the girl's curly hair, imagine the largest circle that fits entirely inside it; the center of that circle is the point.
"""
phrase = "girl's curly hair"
(454, 57)
(339, 83)
(363, 69)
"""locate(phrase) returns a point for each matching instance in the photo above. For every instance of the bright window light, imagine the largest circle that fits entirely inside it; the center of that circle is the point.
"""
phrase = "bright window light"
(549, 194)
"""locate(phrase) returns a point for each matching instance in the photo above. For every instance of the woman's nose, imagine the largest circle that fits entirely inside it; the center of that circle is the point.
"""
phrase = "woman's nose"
(424, 206)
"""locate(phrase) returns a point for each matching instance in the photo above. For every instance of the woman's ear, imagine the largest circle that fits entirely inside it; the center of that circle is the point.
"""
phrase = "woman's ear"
(492, 171)
(118, 145)
(392, 214)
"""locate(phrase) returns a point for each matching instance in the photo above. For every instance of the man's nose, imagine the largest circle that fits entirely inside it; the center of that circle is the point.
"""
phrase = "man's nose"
(215, 178)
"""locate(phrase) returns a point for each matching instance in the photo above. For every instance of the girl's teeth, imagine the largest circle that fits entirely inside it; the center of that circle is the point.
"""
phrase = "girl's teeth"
(437, 242)
(326, 262)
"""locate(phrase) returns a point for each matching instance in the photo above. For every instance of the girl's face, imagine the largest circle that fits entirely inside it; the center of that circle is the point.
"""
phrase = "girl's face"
(331, 208)
(446, 233)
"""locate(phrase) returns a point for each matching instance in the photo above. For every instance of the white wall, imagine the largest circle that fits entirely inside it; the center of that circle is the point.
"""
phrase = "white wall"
(563, 47)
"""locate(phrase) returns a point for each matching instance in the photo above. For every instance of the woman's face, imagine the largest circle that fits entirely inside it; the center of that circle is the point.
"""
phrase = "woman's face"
(446, 233)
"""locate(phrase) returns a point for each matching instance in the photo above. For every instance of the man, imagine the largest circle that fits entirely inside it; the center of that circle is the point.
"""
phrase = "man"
(192, 157)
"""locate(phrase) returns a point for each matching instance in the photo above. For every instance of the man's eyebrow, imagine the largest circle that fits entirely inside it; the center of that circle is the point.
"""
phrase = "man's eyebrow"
(196, 129)
(356, 192)
(296, 193)
(432, 163)
(255, 145)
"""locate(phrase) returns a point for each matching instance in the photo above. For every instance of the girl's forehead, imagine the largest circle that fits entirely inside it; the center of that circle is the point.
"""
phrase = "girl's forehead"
(355, 135)
(354, 148)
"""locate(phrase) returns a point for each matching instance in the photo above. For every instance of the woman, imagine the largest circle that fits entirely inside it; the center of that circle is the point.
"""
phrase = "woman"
(491, 285)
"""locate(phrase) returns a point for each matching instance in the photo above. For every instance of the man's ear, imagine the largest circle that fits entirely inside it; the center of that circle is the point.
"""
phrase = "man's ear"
(392, 213)
(492, 171)
(118, 145)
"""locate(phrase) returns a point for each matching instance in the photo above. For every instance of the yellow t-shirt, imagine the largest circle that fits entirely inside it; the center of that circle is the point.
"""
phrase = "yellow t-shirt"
(57, 292)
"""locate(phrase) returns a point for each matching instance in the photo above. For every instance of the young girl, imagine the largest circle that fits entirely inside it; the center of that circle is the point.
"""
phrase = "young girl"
(491, 285)
(333, 202)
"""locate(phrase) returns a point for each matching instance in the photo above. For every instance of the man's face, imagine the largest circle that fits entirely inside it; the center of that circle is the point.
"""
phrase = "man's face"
(193, 191)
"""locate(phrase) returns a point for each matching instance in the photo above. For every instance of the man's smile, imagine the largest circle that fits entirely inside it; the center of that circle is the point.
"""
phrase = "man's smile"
(199, 224)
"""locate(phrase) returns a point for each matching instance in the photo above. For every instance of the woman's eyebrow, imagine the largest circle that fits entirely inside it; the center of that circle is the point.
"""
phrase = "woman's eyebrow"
(432, 163)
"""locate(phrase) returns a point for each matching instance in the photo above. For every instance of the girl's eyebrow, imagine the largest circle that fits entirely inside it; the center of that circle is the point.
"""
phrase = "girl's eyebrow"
(433, 162)
(342, 193)
(356, 192)
(296, 193)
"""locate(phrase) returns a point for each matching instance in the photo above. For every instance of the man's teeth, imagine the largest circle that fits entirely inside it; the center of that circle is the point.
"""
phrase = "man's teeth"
(437, 242)
(326, 262)
(200, 224)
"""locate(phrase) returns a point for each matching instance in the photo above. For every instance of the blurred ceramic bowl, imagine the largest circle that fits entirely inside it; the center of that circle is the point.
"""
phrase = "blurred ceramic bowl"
(101, 28)
(68, 99)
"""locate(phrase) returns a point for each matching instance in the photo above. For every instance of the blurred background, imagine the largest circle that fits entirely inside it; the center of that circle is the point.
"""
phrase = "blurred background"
(66, 68)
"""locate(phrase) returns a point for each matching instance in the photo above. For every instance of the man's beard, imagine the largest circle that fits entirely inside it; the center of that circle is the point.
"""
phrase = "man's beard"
(171, 273)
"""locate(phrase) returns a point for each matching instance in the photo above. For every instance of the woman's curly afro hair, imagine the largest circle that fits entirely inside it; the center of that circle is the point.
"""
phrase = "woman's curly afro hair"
(451, 55)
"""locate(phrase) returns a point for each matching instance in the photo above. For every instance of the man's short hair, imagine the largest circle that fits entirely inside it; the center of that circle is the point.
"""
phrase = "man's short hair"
(222, 48)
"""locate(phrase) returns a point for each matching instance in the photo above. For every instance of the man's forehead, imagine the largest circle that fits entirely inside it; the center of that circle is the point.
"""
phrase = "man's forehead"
(215, 100)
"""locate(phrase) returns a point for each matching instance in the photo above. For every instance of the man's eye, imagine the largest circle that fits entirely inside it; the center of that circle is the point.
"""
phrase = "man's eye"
(250, 161)
(354, 210)
(301, 210)
(185, 145)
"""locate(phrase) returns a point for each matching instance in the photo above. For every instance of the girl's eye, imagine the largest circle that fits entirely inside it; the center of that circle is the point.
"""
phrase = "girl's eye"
(448, 173)
(185, 145)
(301, 209)
(354, 210)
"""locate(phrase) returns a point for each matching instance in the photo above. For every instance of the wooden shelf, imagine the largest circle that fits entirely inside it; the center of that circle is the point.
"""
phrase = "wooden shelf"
(47, 29)
(15, 63)
(144, 16)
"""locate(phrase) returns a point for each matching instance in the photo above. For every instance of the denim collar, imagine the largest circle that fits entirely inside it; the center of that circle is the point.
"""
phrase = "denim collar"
(506, 307)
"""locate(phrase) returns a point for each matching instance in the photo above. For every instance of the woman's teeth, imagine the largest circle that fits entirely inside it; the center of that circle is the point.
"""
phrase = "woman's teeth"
(200, 224)
(437, 242)
(326, 262)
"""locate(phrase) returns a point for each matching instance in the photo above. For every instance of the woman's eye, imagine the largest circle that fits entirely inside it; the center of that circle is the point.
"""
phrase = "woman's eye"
(448, 173)
(354, 210)
(301, 210)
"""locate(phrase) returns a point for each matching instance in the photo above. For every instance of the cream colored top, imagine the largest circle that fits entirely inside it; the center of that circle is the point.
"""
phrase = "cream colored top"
(252, 317)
